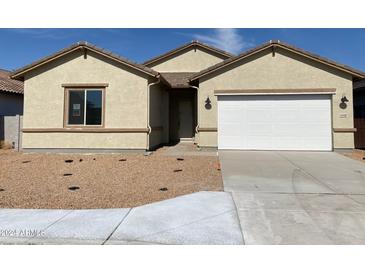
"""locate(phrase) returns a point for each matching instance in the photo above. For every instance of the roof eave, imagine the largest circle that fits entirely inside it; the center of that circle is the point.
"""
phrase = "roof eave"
(183, 47)
(351, 71)
(265, 46)
(153, 74)
(164, 81)
(224, 64)
(19, 74)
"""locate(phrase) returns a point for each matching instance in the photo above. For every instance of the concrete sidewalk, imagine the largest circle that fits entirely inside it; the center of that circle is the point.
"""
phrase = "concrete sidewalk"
(198, 218)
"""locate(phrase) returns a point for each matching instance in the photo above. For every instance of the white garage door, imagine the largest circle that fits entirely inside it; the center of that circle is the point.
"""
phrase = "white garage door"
(274, 122)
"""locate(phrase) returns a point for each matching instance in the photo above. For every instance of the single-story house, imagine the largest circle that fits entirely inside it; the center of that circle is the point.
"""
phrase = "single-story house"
(11, 105)
(273, 97)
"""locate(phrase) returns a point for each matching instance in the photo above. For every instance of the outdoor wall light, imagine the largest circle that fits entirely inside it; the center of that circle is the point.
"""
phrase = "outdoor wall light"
(208, 104)
(344, 100)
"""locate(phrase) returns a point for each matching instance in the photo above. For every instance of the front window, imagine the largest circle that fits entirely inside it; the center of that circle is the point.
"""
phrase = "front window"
(85, 107)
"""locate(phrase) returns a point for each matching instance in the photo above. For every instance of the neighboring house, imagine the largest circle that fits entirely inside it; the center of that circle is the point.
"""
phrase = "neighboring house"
(11, 104)
(273, 97)
(11, 94)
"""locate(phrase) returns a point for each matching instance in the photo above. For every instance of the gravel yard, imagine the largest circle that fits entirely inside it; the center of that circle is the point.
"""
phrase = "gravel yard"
(101, 180)
(356, 154)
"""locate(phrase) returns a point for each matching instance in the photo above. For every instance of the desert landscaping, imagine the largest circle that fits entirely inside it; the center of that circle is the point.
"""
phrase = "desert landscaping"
(75, 181)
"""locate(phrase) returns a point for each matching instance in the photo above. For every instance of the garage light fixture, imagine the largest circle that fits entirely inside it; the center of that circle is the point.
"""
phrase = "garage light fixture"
(344, 100)
(208, 104)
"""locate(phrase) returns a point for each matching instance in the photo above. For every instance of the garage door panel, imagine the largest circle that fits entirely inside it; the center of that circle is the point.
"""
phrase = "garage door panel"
(310, 116)
(232, 129)
(283, 117)
(232, 142)
(260, 114)
(231, 115)
(258, 129)
(258, 142)
(275, 122)
(283, 131)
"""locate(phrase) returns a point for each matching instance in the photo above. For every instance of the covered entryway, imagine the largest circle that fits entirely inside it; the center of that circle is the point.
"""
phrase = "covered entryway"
(275, 122)
(182, 114)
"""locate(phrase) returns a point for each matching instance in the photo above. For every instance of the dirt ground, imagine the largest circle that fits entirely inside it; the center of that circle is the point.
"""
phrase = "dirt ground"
(104, 180)
(356, 154)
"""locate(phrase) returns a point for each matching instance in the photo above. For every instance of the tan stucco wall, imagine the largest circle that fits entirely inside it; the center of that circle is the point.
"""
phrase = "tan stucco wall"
(84, 140)
(125, 102)
(188, 61)
(284, 71)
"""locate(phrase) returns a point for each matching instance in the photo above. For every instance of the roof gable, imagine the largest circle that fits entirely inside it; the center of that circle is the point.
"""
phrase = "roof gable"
(192, 45)
(274, 45)
(19, 73)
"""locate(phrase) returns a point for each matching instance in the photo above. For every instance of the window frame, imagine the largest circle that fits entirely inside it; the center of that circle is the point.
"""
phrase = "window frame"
(66, 106)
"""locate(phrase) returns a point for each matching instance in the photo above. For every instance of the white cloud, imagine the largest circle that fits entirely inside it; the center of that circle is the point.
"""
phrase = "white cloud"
(226, 39)
(45, 33)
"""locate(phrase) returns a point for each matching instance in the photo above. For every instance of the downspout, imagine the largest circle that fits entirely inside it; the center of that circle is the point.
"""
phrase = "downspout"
(148, 111)
(197, 111)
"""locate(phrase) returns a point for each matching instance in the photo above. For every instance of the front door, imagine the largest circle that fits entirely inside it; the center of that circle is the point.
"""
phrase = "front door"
(185, 119)
(182, 121)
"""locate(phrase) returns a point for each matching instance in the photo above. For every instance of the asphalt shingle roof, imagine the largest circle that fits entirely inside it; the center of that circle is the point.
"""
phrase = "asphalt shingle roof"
(177, 79)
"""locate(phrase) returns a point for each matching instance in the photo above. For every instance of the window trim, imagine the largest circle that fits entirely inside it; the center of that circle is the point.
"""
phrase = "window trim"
(66, 105)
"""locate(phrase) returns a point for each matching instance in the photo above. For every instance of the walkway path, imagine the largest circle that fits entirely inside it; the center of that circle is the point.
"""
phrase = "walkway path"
(198, 218)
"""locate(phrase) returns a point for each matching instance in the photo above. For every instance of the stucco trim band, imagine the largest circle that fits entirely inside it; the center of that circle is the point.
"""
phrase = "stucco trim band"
(78, 85)
(85, 130)
(275, 91)
(207, 129)
(344, 129)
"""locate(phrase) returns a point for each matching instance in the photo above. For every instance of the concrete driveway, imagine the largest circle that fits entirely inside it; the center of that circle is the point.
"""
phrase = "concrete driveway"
(296, 197)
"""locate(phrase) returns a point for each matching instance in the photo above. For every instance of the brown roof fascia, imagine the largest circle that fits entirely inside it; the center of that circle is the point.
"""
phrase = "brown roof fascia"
(168, 54)
(278, 44)
(19, 73)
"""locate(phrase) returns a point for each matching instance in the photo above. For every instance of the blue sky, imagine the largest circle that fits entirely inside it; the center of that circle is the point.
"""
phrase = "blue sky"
(20, 47)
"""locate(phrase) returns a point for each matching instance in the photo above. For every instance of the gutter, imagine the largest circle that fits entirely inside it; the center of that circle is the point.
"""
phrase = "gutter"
(148, 110)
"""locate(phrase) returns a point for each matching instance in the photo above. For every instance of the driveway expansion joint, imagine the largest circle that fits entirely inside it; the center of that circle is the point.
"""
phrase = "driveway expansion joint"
(239, 222)
(124, 217)
(53, 223)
